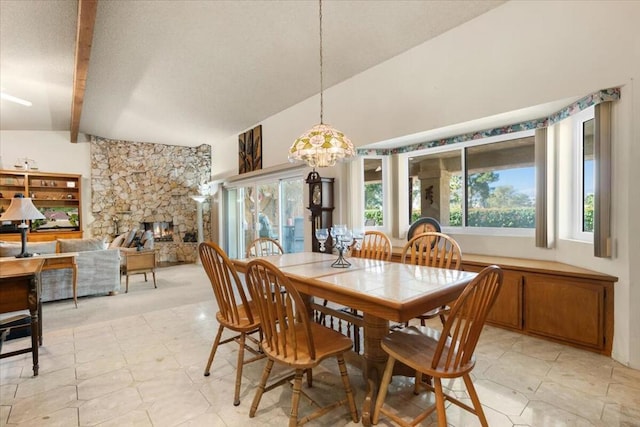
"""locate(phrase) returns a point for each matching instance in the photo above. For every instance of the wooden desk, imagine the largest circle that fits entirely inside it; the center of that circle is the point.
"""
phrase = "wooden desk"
(382, 290)
(19, 291)
(53, 262)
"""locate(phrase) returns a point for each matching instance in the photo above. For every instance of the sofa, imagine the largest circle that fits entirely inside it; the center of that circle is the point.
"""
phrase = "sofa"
(98, 267)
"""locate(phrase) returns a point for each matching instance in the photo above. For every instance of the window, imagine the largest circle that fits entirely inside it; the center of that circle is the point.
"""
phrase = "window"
(588, 176)
(489, 184)
(436, 187)
(501, 184)
(373, 193)
(581, 224)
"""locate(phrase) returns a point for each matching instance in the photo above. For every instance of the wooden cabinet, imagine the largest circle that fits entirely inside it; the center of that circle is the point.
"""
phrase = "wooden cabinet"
(57, 196)
(507, 310)
(552, 300)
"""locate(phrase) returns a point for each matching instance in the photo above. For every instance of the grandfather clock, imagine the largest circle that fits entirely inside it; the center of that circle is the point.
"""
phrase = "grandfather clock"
(320, 205)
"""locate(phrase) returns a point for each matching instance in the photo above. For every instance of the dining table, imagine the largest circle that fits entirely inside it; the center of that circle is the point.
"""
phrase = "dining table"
(383, 291)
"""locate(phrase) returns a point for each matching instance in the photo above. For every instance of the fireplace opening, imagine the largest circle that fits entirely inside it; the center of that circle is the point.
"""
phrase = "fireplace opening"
(162, 230)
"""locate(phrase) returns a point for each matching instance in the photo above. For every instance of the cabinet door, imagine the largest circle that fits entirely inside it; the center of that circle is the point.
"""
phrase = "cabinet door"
(507, 310)
(565, 309)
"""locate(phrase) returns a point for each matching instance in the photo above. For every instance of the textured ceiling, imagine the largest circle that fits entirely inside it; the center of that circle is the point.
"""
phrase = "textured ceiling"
(196, 72)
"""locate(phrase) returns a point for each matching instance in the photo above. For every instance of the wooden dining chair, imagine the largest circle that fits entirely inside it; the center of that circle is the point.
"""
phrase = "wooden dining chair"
(443, 355)
(264, 246)
(236, 311)
(375, 245)
(433, 249)
(292, 339)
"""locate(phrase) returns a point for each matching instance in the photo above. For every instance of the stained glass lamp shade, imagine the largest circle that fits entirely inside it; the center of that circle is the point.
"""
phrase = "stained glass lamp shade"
(321, 146)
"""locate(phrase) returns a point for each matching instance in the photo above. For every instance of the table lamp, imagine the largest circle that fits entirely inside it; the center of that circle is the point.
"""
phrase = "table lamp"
(22, 209)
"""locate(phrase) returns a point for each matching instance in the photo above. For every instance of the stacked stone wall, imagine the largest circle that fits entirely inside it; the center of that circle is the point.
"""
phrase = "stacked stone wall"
(136, 182)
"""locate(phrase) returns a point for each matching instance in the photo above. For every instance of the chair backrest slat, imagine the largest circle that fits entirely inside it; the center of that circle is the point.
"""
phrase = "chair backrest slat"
(226, 284)
(433, 249)
(375, 245)
(282, 311)
(264, 246)
(466, 320)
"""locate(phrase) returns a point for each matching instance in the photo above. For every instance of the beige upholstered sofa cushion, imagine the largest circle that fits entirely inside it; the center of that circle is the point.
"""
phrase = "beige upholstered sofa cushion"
(14, 248)
(82, 245)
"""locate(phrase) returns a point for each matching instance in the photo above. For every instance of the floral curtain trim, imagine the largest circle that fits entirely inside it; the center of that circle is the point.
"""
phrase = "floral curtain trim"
(604, 95)
(612, 94)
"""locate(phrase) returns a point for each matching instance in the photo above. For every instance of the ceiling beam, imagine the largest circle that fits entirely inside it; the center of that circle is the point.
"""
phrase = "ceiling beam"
(84, 37)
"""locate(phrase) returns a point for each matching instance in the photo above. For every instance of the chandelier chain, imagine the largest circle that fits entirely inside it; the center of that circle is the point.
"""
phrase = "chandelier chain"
(321, 81)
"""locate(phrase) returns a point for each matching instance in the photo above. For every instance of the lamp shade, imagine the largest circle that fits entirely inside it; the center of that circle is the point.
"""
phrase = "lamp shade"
(20, 209)
(321, 146)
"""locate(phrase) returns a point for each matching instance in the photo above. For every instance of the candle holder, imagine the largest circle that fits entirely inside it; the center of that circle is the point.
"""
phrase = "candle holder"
(342, 238)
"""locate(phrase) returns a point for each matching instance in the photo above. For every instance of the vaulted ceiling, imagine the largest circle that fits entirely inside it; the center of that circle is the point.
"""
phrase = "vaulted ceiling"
(195, 72)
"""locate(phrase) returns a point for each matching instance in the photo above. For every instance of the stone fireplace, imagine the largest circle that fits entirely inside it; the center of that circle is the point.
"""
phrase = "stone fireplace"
(140, 185)
(162, 230)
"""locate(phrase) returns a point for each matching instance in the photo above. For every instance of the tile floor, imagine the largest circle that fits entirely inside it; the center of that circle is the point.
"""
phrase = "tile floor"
(137, 359)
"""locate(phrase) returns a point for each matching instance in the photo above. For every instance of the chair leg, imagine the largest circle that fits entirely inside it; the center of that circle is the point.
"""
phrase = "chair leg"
(295, 398)
(347, 388)
(127, 288)
(384, 386)
(309, 377)
(442, 414)
(216, 342)
(154, 279)
(476, 401)
(260, 390)
(145, 277)
(240, 364)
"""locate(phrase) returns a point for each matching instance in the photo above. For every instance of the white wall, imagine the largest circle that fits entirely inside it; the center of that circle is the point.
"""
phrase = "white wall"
(519, 55)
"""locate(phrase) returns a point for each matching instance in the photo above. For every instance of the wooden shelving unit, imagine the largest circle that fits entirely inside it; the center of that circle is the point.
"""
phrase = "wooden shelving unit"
(58, 196)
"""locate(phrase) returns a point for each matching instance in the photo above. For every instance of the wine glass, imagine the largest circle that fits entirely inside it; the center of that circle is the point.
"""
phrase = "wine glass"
(358, 237)
(322, 234)
(347, 237)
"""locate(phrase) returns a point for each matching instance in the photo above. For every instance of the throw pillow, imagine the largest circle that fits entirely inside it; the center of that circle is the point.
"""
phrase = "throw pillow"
(129, 238)
(118, 241)
(14, 248)
(136, 239)
(147, 239)
(82, 245)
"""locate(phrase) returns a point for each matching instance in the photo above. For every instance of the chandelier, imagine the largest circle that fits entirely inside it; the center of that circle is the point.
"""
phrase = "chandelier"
(322, 145)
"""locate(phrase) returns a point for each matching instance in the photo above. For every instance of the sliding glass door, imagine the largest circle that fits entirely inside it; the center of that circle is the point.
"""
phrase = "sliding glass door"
(270, 208)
